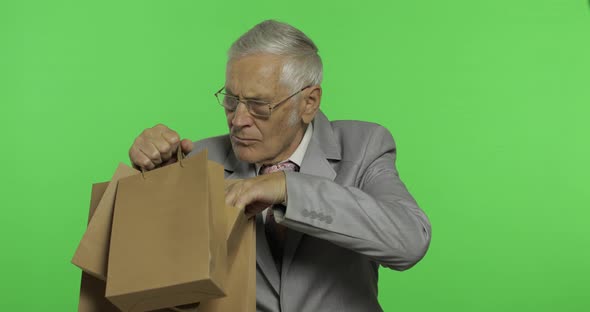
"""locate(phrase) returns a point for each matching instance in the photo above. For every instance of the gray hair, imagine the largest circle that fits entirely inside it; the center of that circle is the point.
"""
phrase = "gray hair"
(303, 65)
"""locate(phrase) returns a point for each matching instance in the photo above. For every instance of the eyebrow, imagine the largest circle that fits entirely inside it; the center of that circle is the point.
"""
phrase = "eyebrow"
(228, 91)
(256, 98)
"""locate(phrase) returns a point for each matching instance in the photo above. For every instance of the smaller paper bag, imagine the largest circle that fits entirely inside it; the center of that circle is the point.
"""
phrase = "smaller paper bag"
(168, 238)
(92, 289)
(92, 252)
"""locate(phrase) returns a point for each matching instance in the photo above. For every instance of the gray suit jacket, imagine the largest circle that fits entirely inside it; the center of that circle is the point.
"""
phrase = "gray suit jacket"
(347, 213)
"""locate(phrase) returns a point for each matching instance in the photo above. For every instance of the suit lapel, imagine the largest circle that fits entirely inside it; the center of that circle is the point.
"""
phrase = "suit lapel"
(236, 169)
(323, 146)
(264, 257)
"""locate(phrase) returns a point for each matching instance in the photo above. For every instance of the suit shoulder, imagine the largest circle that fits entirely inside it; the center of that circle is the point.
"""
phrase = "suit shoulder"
(217, 147)
(360, 132)
(361, 141)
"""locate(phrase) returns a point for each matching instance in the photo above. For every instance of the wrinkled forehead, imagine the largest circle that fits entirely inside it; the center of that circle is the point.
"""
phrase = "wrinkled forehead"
(254, 76)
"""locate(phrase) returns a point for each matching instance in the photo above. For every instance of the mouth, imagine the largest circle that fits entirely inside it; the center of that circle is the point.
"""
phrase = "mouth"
(244, 141)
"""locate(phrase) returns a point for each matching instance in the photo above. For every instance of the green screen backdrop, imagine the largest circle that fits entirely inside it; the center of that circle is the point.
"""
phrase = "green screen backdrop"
(487, 101)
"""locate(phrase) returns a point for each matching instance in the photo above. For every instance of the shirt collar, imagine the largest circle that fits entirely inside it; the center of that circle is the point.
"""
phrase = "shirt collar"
(297, 156)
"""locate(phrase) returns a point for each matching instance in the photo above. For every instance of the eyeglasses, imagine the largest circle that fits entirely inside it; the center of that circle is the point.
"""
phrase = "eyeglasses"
(256, 108)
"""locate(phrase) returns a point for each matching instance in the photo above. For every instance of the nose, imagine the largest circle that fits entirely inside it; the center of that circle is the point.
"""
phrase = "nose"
(241, 116)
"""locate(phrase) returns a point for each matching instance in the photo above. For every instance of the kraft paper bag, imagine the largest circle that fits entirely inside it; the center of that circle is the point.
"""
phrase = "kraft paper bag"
(92, 289)
(92, 252)
(237, 220)
(168, 237)
(241, 270)
(241, 274)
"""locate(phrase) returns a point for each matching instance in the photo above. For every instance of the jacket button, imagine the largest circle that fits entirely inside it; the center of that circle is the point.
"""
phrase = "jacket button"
(328, 219)
(313, 214)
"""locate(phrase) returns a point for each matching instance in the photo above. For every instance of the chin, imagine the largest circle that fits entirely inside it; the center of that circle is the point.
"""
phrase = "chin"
(246, 154)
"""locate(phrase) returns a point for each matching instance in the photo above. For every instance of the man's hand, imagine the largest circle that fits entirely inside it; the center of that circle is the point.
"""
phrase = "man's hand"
(156, 147)
(256, 194)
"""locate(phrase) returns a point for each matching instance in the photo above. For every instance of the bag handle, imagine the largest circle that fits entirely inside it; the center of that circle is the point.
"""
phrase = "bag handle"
(179, 157)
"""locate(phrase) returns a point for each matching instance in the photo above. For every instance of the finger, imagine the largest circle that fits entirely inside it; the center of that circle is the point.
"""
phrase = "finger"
(170, 136)
(236, 192)
(243, 199)
(249, 212)
(140, 159)
(167, 150)
(168, 157)
(163, 147)
(159, 136)
(254, 208)
(230, 194)
(150, 151)
(187, 146)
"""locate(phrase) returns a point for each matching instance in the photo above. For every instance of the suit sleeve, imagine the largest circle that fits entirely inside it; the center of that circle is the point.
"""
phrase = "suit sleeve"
(379, 218)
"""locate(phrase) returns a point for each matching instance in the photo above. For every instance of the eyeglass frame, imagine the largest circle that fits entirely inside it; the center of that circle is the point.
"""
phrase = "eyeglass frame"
(271, 106)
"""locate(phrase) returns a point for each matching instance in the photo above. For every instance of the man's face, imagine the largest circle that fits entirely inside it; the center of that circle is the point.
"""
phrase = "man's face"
(259, 140)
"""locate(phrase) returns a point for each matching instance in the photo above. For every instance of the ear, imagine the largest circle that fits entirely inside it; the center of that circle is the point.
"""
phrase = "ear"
(311, 103)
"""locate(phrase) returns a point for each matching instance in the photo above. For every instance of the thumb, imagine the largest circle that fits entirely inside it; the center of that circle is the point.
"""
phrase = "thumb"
(186, 145)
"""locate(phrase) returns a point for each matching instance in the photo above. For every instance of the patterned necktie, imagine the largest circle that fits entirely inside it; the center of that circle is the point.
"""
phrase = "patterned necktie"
(276, 233)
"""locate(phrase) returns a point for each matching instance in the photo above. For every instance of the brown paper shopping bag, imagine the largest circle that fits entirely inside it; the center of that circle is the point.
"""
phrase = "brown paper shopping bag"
(168, 237)
(241, 267)
(241, 274)
(240, 283)
(237, 220)
(92, 252)
(92, 289)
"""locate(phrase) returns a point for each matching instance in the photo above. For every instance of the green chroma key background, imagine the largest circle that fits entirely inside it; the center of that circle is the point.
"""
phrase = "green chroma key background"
(487, 101)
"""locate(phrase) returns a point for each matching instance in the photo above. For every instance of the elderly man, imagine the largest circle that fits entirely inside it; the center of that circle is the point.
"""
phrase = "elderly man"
(328, 201)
